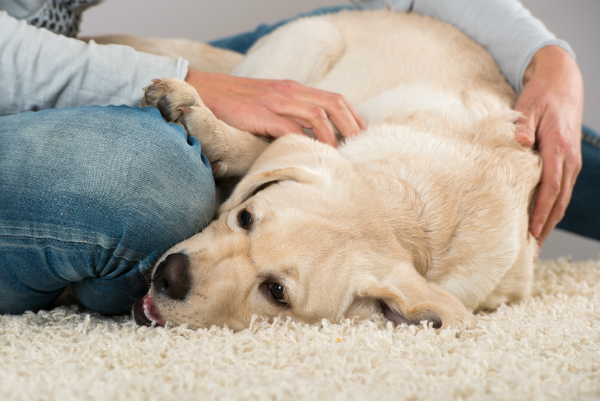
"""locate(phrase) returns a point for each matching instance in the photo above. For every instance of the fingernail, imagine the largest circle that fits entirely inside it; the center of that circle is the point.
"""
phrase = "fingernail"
(536, 230)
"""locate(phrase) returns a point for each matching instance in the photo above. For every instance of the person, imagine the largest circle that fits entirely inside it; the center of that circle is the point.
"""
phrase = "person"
(93, 194)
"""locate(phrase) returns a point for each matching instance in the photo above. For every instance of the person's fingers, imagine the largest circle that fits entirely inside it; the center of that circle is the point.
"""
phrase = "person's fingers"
(558, 209)
(550, 182)
(526, 130)
(571, 168)
(550, 188)
(341, 113)
(362, 124)
(269, 124)
(528, 122)
(313, 116)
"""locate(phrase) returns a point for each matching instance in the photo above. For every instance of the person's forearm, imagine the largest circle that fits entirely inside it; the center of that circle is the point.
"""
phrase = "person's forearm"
(503, 27)
(41, 70)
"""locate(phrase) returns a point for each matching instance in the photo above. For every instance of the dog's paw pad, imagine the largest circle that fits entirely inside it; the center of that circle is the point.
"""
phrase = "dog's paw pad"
(171, 96)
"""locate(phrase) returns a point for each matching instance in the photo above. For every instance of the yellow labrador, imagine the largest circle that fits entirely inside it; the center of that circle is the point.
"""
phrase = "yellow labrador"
(424, 216)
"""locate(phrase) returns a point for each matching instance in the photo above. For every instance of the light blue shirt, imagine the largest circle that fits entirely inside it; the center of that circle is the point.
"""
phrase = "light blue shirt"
(63, 72)
(41, 70)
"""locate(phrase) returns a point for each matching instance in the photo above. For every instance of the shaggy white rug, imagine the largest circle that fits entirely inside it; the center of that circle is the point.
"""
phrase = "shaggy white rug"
(547, 347)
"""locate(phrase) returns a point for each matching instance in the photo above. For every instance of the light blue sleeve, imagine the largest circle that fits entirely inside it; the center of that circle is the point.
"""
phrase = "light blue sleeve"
(41, 70)
(505, 28)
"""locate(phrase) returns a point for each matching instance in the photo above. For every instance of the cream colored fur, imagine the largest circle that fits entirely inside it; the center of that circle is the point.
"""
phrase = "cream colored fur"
(200, 55)
(424, 216)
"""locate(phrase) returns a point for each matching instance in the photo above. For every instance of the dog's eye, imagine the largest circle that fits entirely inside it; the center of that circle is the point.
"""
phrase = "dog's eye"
(245, 219)
(277, 292)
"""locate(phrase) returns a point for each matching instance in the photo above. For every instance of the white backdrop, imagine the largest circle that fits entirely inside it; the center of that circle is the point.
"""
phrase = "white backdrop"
(576, 21)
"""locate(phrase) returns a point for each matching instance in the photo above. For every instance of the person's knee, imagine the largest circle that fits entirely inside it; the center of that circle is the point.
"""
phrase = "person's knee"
(117, 180)
(164, 190)
(172, 185)
(141, 182)
(167, 195)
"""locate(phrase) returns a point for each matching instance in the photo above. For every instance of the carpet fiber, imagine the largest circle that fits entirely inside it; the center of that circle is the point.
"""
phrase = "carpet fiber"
(547, 347)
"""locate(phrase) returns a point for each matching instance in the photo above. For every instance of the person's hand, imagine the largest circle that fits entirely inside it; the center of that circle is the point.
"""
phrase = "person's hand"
(275, 108)
(552, 106)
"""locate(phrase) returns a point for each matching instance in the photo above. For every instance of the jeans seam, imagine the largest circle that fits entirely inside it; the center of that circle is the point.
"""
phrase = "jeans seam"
(76, 243)
(48, 233)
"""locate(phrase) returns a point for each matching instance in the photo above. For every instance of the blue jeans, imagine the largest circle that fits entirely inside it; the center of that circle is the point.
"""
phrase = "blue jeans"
(583, 214)
(93, 196)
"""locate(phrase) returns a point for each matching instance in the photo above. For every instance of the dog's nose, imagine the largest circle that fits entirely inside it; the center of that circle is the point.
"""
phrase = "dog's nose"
(171, 277)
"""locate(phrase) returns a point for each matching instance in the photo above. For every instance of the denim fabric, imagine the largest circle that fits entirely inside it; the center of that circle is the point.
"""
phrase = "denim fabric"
(93, 196)
(583, 214)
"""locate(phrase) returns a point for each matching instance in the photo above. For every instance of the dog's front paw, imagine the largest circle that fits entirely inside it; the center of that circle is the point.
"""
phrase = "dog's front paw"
(172, 97)
(230, 151)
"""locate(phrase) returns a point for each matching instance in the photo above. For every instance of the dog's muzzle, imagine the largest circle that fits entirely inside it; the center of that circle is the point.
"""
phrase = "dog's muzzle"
(171, 279)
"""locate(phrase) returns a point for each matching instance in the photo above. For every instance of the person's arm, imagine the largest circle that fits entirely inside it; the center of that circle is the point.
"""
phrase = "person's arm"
(41, 70)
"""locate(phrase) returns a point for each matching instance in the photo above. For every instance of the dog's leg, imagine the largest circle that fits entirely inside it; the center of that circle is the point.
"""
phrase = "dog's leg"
(516, 283)
(230, 151)
(303, 51)
(201, 56)
(406, 297)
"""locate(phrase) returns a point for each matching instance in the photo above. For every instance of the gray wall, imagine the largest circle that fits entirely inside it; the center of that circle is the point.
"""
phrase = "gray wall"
(577, 21)
(201, 20)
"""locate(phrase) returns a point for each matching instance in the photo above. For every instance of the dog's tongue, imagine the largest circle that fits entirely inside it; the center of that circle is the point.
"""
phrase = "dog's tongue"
(150, 310)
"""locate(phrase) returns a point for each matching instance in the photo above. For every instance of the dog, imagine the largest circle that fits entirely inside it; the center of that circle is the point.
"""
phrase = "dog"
(423, 217)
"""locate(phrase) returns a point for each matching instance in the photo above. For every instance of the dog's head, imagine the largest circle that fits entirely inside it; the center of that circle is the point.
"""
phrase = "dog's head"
(302, 236)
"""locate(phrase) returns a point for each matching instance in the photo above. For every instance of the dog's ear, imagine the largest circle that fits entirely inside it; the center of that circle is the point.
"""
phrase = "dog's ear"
(413, 301)
(290, 158)
(254, 183)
